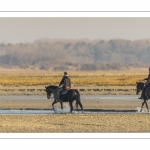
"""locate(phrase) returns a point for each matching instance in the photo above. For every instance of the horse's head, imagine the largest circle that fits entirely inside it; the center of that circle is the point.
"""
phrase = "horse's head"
(49, 92)
(139, 86)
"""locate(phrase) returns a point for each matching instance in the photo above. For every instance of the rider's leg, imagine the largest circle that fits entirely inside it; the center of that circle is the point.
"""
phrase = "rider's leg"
(143, 90)
(58, 94)
(141, 97)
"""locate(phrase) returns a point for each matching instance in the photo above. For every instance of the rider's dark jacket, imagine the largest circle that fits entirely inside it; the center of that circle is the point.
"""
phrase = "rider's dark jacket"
(66, 82)
(148, 79)
(149, 76)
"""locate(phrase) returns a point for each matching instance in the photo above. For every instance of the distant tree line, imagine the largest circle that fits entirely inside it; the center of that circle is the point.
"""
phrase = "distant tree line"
(77, 55)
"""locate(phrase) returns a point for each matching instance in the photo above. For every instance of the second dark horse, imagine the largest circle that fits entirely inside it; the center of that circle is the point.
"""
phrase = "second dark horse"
(70, 96)
(146, 94)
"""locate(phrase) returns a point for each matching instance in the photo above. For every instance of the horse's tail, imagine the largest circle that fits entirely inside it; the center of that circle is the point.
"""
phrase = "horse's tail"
(78, 101)
(78, 96)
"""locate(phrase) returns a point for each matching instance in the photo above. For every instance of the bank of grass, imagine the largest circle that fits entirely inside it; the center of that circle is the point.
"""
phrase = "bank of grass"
(77, 78)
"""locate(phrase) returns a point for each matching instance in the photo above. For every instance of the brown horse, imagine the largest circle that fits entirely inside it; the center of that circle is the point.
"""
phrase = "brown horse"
(146, 93)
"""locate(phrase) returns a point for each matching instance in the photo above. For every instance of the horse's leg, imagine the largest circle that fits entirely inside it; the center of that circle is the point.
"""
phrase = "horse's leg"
(53, 104)
(78, 100)
(61, 105)
(142, 106)
(147, 106)
(71, 107)
(80, 106)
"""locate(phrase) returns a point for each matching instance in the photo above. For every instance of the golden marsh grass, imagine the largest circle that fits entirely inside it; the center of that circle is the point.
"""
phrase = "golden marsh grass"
(77, 78)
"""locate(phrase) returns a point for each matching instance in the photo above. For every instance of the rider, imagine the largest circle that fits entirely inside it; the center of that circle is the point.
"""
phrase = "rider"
(65, 84)
(146, 85)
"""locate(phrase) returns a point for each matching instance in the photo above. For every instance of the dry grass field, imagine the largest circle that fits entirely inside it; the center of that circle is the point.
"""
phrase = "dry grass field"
(75, 123)
(77, 78)
(86, 82)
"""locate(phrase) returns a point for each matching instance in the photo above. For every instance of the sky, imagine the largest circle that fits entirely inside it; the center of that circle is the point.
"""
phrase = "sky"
(29, 29)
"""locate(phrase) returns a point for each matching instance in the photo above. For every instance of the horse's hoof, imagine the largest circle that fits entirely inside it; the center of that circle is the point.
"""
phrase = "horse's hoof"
(54, 109)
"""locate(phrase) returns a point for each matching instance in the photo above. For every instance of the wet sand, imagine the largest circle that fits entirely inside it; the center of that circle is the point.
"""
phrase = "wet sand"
(74, 123)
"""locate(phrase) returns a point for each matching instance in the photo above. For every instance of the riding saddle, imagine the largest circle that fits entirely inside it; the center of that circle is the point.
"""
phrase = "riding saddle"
(64, 92)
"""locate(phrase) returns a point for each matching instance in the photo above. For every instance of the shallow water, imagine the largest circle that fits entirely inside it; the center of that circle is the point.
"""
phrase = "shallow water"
(64, 111)
(67, 110)
(66, 106)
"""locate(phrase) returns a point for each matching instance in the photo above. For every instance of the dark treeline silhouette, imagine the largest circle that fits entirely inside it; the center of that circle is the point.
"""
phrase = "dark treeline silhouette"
(77, 55)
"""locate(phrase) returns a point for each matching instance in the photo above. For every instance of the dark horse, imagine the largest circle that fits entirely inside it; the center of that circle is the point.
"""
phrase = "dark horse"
(146, 94)
(70, 96)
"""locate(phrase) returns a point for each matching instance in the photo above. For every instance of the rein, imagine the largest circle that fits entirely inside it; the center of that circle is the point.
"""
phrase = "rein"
(55, 90)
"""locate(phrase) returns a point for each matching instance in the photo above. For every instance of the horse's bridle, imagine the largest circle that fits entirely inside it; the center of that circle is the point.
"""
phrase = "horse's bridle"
(49, 94)
(139, 89)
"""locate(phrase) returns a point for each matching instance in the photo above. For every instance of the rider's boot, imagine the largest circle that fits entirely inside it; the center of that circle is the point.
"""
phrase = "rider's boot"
(58, 98)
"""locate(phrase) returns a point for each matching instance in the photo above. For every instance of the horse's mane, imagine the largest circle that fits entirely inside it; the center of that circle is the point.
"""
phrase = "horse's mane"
(140, 82)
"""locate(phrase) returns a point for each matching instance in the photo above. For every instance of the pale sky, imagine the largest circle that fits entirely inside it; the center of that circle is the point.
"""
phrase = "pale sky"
(16, 30)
